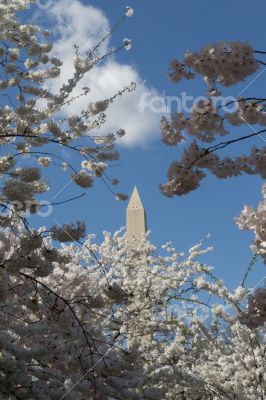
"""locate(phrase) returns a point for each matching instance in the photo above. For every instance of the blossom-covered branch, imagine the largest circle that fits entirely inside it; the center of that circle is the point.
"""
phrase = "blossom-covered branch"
(224, 64)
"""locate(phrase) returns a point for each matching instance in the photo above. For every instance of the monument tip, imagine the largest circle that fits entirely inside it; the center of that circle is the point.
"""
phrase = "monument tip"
(135, 200)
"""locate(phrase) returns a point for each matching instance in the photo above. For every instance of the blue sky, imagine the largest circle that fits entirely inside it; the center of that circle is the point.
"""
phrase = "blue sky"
(161, 31)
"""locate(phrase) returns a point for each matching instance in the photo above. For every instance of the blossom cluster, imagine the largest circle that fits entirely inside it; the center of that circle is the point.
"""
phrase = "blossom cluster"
(225, 64)
(185, 175)
(255, 220)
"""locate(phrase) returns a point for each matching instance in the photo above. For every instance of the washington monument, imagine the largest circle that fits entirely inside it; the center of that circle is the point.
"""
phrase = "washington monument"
(136, 222)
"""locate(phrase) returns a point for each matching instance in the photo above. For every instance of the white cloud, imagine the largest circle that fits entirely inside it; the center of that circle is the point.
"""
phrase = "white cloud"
(84, 25)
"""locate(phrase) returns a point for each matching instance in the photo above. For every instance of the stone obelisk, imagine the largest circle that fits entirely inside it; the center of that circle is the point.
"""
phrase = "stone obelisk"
(136, 222)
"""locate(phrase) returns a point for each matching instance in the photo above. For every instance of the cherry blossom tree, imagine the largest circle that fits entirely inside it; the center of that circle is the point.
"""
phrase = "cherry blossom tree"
(221, 64)
(32, 126)
(104, 321)
(31, 121)
(88, 321)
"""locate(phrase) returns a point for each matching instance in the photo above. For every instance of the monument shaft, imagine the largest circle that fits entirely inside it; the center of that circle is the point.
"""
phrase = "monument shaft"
(136, 223)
